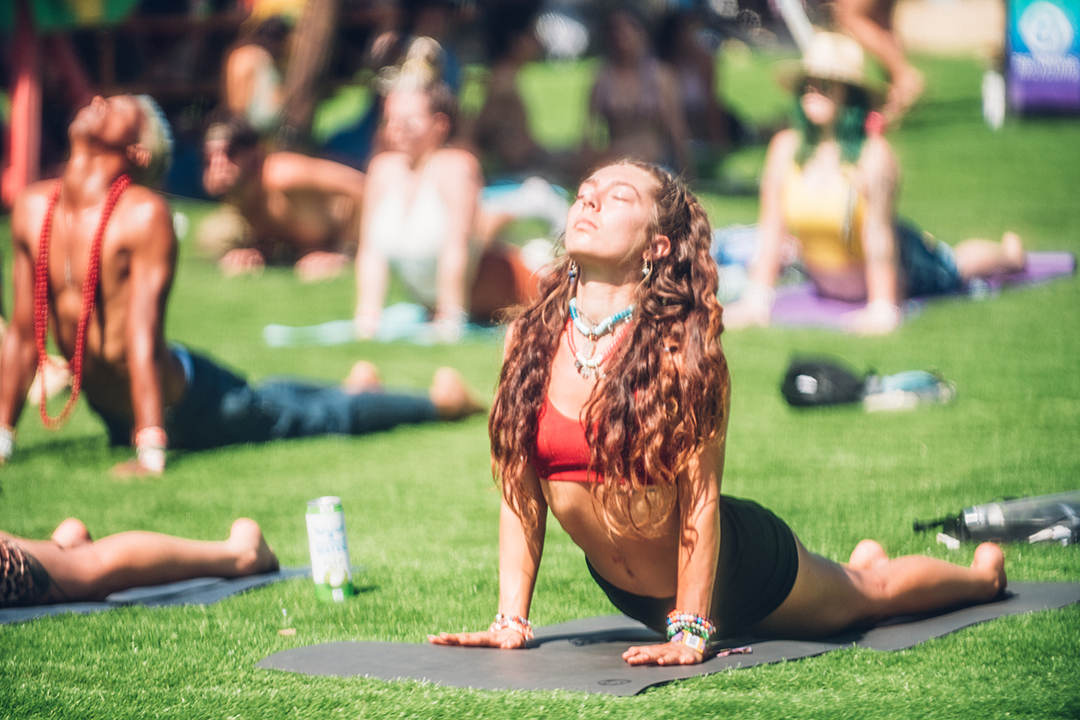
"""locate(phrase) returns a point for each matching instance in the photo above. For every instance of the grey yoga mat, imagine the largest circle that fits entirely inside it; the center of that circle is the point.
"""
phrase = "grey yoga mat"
(199, 591)
(585, 655)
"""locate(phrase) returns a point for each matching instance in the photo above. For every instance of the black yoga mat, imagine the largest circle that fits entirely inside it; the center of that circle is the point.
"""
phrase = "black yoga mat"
(199, 591)
(585, 655)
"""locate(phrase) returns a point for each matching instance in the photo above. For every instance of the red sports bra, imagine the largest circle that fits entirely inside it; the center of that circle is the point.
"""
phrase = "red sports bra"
(562, 452)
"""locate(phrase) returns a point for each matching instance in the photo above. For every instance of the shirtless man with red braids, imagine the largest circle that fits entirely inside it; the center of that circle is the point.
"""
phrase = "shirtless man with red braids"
(102, 284)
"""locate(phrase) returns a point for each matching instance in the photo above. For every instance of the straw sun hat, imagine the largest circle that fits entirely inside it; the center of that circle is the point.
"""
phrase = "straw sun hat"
(831, 56)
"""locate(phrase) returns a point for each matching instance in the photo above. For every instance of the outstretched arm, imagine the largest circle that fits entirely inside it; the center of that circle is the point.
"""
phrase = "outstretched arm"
(152, 251)
(755, 305)
(372, 268)
(287, 172)
(521, 546)
(460, 183)
(18, 357)
(699, 548)
(879, 173)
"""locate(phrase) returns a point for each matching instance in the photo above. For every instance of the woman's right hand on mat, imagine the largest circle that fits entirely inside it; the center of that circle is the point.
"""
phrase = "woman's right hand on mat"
(669, 653)
(506, 638)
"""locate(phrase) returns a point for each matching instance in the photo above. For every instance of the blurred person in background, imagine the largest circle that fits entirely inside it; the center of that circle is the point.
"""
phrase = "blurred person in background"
(870, 22)
(635, 100)
(252, 76)
(95, 256)
(283, 207)
(500, 133)
(834, 187)
(422, 213)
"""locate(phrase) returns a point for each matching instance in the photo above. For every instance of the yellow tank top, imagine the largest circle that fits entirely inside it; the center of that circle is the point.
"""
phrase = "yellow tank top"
(827, 221)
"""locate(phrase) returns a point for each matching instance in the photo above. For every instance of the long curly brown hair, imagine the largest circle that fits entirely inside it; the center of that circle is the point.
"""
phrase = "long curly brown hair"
(661, 399)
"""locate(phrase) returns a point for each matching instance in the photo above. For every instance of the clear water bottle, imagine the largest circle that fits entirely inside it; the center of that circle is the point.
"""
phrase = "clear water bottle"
(1021, 518)
(1046, 517)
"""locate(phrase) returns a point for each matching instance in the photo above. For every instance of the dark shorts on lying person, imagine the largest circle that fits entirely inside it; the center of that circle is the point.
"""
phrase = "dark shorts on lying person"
(23, 580)
(927, 264)
(758, 563)
(220, 408)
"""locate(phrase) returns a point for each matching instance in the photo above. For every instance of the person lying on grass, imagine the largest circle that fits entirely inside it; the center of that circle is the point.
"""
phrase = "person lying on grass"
(612, 413)
(72, 567)
(95, 254)
(835, 188)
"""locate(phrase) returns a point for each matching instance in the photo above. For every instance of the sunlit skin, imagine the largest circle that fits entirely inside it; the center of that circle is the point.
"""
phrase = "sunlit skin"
(308, 204)
(415, 137)
(877, 278)
(128, 370)
(610, 234)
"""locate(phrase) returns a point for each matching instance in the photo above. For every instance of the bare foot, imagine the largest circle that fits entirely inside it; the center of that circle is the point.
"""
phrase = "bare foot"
(242, 261)
(452, 397)
(71, 533)
(253, 555)
(867, 554)
(1013, 248)
(990, 562)
(363, 377)
(319, 265)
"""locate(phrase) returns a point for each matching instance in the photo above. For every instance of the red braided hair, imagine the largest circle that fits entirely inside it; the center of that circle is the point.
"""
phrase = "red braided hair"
(89, 292)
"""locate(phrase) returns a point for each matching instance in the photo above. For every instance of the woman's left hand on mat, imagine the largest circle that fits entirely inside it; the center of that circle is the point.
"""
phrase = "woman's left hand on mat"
(669, 653)
(506, 638)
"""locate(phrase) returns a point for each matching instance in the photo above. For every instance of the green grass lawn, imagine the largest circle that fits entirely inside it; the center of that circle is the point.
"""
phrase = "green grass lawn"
(422, 512)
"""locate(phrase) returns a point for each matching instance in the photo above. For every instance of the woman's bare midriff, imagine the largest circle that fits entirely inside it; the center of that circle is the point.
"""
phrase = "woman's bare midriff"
(644, 566)
(845, 283)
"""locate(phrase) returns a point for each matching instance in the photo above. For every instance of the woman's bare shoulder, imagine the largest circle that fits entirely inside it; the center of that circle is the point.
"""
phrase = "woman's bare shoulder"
(784, 142)
(878, 163)
(452, 159)
(877, 154)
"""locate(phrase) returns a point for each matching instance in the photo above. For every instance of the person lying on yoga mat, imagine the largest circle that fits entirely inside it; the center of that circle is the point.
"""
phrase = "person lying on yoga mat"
(94, 255)
(612, 413)
(834, 187)
(422, 215)
(73, 567)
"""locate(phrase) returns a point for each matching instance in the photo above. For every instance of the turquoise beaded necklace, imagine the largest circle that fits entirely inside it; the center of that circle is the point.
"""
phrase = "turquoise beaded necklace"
(603, 327)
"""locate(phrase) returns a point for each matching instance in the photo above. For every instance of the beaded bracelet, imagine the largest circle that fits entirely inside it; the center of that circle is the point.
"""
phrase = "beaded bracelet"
(7, 442)
(150, 444)
(681, 625)
(514, 622)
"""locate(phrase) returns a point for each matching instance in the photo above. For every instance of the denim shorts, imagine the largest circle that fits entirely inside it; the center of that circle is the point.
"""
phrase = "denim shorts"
(928, 265)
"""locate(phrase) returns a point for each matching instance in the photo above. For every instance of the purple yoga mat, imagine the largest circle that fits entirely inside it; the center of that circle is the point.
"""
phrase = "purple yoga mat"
(800, 306)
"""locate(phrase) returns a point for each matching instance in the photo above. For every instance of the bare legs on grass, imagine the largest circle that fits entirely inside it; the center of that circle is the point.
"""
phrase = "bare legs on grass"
(829, 597)
(451, 395)
(981, 258)
(80, 568)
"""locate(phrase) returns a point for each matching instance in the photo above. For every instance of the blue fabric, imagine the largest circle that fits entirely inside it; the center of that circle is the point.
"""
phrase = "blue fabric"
(220, 408)
(928, 265)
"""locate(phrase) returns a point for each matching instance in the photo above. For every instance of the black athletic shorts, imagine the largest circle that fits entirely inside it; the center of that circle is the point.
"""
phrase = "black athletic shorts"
(758, 562)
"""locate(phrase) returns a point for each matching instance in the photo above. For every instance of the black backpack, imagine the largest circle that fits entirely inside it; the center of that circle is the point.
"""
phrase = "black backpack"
(811, 382)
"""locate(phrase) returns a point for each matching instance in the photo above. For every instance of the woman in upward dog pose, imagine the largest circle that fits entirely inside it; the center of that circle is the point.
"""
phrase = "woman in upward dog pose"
(611, 412)
(835, 188)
